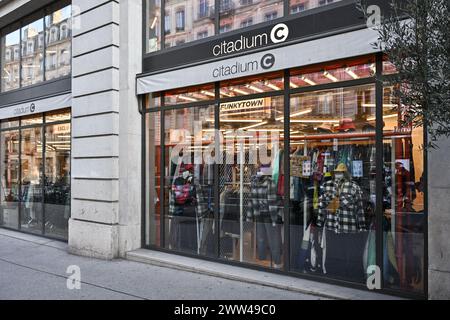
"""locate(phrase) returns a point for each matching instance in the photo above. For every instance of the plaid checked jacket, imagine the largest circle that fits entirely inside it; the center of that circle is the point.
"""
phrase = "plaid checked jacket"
(349, 216)
(264, 199)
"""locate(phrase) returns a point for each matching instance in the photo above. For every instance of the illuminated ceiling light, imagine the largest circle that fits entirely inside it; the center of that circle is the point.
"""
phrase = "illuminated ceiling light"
(297, 114)
(154, 23)
(225, 94)
(385, 105)
(239, 137)
(187, 98)
(384, 117)
(240, 91)
(351, 73)
(271, 86)
(293, 85)
(267, 130)
(254, 88)
(330, 76)
(254, 126)
(315, 121)
(238, 120)
(308, 81)
(208, 93)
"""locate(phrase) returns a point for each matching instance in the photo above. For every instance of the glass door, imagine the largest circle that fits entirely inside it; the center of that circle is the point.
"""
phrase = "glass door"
(10, 175)
(251, 182)
(31, 179)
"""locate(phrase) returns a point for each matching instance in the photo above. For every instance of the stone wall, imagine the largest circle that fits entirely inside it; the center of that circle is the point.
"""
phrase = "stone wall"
(106, 151)
(439, 221)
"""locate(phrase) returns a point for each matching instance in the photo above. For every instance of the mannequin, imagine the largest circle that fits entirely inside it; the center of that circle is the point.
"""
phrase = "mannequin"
(341, 214)
(264, 208)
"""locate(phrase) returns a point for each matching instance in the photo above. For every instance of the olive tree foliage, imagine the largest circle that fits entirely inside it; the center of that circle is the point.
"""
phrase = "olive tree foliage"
(415, 36)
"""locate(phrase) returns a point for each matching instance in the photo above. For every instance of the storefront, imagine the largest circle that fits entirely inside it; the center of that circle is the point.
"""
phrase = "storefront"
(35, 120)
(288, 160)
(35, 166)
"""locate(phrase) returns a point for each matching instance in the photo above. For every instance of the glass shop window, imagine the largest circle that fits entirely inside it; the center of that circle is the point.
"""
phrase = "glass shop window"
(189, 95)
(10, 175)
(10, 61)
(302, 5)
(327, 74)
(189, 180)
(252, 85)
(59, 48)
(153, 27)
(32, 55)
(243, 13)
(190, 18)
(404, 220)
(252, 180)
(332, 181)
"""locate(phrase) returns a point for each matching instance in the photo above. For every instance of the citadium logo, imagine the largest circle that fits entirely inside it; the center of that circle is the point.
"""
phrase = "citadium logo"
(267, 61)
(278, 34)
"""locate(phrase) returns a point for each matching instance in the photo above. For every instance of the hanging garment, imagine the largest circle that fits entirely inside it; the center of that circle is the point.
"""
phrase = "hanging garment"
(264, 199)
(268, 235)
(349, 216)
(316, 196)
(305, 247)
(369, 256)
(276, 167)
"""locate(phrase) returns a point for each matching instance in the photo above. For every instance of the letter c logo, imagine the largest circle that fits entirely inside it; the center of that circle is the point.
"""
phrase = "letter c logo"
(32, 107)
(267, 61)
(279, 33)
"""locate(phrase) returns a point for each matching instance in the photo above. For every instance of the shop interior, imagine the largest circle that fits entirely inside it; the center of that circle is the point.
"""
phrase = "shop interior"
(302, 192)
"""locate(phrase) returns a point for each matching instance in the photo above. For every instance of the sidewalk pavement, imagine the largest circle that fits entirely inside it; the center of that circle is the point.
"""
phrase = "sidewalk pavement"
(35, 268)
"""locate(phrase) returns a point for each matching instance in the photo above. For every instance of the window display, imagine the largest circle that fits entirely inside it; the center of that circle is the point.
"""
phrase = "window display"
(9, 166)
(251, 186)
(35, 173)
(280, 171)
(189, 180)
(404, 217)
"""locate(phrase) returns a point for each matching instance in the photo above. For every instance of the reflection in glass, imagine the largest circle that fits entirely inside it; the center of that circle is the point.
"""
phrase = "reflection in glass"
(9, 168)
(32, 175)
(189, 181)
(57, 179)
(403, 200)
(10, 61)
(185, 21)
(236, 14)
(297, 6)
(33, 53)
(153, 197)
(153, 25)
(252, 181)
(59, 43)
(332, 182)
